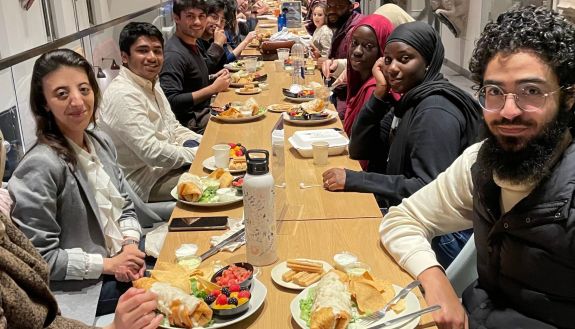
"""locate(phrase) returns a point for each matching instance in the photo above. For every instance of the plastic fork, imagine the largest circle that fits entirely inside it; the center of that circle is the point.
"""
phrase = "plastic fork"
(366, 321)
(303, 185)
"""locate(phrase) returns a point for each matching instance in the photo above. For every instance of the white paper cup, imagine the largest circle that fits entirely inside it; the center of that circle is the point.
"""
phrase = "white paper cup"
(320, 153)
(279, 65)
(221, 155)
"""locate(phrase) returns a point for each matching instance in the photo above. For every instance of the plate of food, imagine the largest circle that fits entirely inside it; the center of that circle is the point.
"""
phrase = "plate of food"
(240, 65)
(298, 95)
(237, 112)
(216, 189)
(310, 304)
(248, 89)
(267, 25)
(299, 273)
(188, 300)
(242, 78)
(281, 107)
(310, 113)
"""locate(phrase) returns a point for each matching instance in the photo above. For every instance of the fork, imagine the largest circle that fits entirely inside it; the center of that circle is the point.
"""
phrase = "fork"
(303, 185)
(366, 321)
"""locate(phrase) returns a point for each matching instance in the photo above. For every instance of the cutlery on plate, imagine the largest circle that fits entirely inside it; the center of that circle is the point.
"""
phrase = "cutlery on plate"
(237, 236)
(303, 185)
(381, 313)
(407, 317)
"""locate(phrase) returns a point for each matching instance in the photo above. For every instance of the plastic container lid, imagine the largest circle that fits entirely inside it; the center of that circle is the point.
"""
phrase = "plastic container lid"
(304, 138)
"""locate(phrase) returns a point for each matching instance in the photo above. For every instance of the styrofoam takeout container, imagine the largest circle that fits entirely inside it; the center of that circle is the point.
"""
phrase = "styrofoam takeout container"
(302, 140)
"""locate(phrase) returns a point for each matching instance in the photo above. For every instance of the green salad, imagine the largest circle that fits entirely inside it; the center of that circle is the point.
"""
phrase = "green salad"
(305, 306)
(209, 194)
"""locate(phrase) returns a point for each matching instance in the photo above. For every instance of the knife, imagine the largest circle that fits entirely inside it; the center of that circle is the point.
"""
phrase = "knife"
(215, 249)
(406, 317)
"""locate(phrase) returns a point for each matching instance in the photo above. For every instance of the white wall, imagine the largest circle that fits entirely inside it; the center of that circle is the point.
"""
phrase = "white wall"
(459, 50)
(20, 30)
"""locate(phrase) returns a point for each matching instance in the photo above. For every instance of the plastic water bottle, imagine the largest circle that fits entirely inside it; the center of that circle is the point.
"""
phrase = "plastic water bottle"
(298, 59)
(259, 217)
(282, 22)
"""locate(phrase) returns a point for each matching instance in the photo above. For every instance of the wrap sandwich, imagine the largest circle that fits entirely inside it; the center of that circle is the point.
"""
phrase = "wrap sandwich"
(181, 309)
(332, 303)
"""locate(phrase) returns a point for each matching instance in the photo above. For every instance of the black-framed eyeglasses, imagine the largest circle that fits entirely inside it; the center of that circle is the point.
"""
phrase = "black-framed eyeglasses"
(528, 97)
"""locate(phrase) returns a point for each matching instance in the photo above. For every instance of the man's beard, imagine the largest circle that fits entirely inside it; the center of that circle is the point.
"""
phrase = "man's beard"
(340, 21)
(526, 164)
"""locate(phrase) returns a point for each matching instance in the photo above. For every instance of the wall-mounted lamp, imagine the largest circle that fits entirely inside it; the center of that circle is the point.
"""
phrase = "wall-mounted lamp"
(100, 74)
(114, 65)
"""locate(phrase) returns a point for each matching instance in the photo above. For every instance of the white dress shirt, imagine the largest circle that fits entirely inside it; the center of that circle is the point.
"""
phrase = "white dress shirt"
(148, 138)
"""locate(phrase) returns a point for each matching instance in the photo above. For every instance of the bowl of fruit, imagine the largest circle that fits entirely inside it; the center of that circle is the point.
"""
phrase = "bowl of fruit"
(229, 301)
(237, 150)
(241, 274)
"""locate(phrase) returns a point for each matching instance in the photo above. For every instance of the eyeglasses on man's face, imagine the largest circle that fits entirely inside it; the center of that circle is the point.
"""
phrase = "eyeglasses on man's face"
(528, 97)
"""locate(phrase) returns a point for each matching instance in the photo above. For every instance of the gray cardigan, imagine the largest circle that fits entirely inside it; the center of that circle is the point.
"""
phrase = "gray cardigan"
(54, 206)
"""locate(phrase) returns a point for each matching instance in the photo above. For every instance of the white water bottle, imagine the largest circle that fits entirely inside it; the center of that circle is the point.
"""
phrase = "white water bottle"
(258, 189)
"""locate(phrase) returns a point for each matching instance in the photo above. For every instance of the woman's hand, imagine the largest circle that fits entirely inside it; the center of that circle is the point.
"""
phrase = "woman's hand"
(334, 179)
(250, 36)
(127, 265)
(438, 290)
(381, 83)
(136, 310)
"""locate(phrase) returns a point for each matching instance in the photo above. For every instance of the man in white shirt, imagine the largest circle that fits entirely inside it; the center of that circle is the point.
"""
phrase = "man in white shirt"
(154, 149)
(516, 188)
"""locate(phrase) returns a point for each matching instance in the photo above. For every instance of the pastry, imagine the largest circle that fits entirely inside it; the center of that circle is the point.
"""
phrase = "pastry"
(226, 179)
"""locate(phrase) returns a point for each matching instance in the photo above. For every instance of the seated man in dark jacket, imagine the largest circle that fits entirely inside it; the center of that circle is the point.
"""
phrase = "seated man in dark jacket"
(185, 78)
(516, 188)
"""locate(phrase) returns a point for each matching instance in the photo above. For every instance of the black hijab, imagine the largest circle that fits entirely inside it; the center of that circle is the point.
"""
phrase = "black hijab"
(423, 38)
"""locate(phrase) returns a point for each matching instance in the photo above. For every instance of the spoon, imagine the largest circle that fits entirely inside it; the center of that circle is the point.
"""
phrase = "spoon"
(302, 185)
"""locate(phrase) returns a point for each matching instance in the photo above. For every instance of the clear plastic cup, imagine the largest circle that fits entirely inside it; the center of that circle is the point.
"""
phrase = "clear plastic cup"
(320, 153)
(251, 64)
(283, 54)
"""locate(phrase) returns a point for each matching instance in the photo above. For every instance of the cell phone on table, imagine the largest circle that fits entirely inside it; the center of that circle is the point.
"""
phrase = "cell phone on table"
(198, 223)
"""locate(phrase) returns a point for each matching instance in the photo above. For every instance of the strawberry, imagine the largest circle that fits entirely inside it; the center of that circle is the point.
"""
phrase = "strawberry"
(244, 294)
(222, 300)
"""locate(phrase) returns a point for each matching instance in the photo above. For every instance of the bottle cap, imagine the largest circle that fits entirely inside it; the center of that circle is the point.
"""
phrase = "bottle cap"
(257, 165)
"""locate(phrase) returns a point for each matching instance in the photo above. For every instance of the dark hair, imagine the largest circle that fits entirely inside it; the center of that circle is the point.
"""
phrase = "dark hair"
(181, 5)
(47, 130)
(534, 29)
(216, 5)
(230, 14)
(133, 30)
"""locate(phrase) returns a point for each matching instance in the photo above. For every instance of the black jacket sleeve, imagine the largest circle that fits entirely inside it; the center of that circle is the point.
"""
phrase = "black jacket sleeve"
(215, 58)
(434, 142)
(371, 130)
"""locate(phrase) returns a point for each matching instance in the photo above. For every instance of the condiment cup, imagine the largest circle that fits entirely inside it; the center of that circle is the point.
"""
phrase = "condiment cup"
(221, 155)
(320, 153)
(357, 269)
(343, 259)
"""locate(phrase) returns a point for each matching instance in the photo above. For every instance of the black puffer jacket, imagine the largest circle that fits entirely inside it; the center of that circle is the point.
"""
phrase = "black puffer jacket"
(526, 257)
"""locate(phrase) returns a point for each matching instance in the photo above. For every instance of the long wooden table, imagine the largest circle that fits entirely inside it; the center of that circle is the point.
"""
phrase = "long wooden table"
(312, 223)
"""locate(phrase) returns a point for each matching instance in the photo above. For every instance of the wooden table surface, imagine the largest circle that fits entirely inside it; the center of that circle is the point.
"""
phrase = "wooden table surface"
(315, 239)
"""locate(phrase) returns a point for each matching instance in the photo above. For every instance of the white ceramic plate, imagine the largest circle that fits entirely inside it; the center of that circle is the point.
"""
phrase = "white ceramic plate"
(248, 92)
(234, 68)
(258, 292)
(238, 120)
(174, 194)
(281, 268)
(276, 108)
(332, 115)
(411, 305)
(210, 164)
(299, 99)
(267, 25)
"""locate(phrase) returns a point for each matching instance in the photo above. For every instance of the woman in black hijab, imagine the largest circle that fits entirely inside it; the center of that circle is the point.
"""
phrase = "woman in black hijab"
(409, 141)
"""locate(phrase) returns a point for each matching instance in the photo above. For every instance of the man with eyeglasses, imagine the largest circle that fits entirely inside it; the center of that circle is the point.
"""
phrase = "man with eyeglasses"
(185, 77)
(516, 188)
(217, 52)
